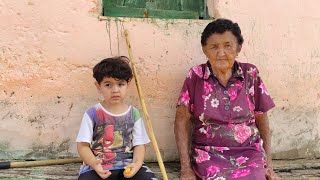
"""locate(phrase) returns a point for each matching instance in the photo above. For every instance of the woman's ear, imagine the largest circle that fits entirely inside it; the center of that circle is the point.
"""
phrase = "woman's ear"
(239, 48)
(204, 50)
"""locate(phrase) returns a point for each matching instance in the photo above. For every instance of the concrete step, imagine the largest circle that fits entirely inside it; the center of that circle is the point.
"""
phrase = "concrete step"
(287, 169)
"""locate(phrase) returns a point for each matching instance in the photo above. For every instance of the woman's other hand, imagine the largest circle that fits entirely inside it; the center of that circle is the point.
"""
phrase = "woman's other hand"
(187, 174)
(271, 175)
(131, 169)
(100, 171)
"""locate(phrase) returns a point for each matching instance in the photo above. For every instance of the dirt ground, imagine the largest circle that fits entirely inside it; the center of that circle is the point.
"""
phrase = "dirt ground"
(291, 170)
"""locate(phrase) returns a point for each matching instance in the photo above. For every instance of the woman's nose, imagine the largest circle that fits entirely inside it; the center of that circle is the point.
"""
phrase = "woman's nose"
(221, 52)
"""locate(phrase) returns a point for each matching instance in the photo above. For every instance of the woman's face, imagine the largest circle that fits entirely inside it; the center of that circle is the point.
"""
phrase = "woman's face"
(221, 50)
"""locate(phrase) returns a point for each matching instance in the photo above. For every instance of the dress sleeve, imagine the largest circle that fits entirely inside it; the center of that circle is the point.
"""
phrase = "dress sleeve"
(186, 97)
(262, 99)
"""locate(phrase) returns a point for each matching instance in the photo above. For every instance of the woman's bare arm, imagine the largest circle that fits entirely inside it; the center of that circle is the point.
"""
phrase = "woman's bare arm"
(262, 123)
(182, 127)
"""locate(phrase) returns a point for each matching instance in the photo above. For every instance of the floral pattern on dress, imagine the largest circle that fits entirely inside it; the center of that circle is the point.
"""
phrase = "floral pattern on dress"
(240, 173)
(232, 93)
(221, 149)
(241, 160)
(207, 88)
(241, 132)
(215, 103)
(198, 71)
(226, 143)
(212, 171)
(185, 98)
(263, 89)
(202, 156)
(190, 74)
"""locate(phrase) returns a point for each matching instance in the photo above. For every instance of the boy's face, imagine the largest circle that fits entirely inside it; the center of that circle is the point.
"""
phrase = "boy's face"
(113, 90)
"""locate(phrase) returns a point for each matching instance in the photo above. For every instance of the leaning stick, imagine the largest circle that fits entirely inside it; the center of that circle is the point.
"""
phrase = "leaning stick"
(9, 164)
(145, 111)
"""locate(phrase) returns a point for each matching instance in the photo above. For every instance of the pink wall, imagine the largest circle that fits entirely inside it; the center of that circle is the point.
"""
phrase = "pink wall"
(47, 50)
(281, 38)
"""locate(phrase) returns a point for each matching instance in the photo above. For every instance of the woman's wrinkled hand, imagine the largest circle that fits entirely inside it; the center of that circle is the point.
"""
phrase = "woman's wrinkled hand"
(187, 174)
(271, 175)
(104, 174)
(131, 169)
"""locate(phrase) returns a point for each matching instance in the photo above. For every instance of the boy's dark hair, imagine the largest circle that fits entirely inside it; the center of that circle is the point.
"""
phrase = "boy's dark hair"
(220, 26)
(115, 67)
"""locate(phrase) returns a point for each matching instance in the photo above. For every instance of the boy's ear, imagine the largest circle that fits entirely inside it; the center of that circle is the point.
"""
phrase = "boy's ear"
(97, 86)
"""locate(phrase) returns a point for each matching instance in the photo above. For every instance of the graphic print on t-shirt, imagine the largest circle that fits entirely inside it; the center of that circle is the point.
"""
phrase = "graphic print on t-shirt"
(112, 138)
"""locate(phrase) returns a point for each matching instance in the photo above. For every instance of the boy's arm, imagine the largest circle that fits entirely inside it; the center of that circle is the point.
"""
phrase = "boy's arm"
(138, 154)
(137, 161)
(87, 156)
(85, 153)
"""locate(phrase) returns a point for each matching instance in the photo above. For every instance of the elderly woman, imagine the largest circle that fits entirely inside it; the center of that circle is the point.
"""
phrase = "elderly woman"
(224, 104)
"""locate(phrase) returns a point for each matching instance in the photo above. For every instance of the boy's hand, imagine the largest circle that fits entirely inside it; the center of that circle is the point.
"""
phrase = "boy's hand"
(131, 169)
(99, 170)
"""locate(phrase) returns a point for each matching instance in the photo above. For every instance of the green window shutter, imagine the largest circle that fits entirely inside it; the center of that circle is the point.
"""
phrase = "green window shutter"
(180, 9)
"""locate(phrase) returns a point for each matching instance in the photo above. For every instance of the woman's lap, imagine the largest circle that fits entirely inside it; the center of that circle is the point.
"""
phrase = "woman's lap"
(248, 173)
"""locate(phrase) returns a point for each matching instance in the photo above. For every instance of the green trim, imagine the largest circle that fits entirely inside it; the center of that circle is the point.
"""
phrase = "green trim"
(124, 12)
(172, 14)
(149, 13)
(164, 9)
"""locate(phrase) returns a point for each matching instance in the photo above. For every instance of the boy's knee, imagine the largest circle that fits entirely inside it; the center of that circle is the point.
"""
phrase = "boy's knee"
(145, 173)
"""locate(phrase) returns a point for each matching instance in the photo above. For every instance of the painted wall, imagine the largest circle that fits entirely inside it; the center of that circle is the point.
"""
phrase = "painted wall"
(48, 49)
(281, 38)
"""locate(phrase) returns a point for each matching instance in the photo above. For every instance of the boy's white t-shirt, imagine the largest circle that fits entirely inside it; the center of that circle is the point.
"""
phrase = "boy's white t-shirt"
(110, 134)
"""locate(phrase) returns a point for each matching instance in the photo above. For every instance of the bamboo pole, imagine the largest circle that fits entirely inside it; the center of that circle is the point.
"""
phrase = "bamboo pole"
(144, 109)
(9, 164)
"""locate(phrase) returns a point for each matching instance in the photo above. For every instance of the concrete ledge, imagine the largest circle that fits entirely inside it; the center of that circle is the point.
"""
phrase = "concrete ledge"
(287, 169)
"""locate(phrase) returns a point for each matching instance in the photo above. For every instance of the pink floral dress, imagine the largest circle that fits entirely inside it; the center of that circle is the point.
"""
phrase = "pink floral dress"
(226, 143)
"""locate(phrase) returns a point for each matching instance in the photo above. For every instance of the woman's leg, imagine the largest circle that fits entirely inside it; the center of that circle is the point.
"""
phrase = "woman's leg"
(144, 173)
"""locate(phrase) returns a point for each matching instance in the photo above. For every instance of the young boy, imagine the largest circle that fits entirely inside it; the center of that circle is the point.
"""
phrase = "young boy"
(112, 135)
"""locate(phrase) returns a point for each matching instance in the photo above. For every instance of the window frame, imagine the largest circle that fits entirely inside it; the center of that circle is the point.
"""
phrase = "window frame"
(112, 8)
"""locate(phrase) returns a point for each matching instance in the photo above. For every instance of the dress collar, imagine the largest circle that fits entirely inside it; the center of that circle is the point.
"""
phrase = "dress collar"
(236, 72)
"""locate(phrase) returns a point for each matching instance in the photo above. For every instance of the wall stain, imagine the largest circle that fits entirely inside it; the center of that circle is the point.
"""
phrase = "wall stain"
(117, 28)
(58, 100)
(4, 151)
(108, 24)
(53, 150)
(315, 54)
(309, 151)
(70, 107)
(37, 122)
